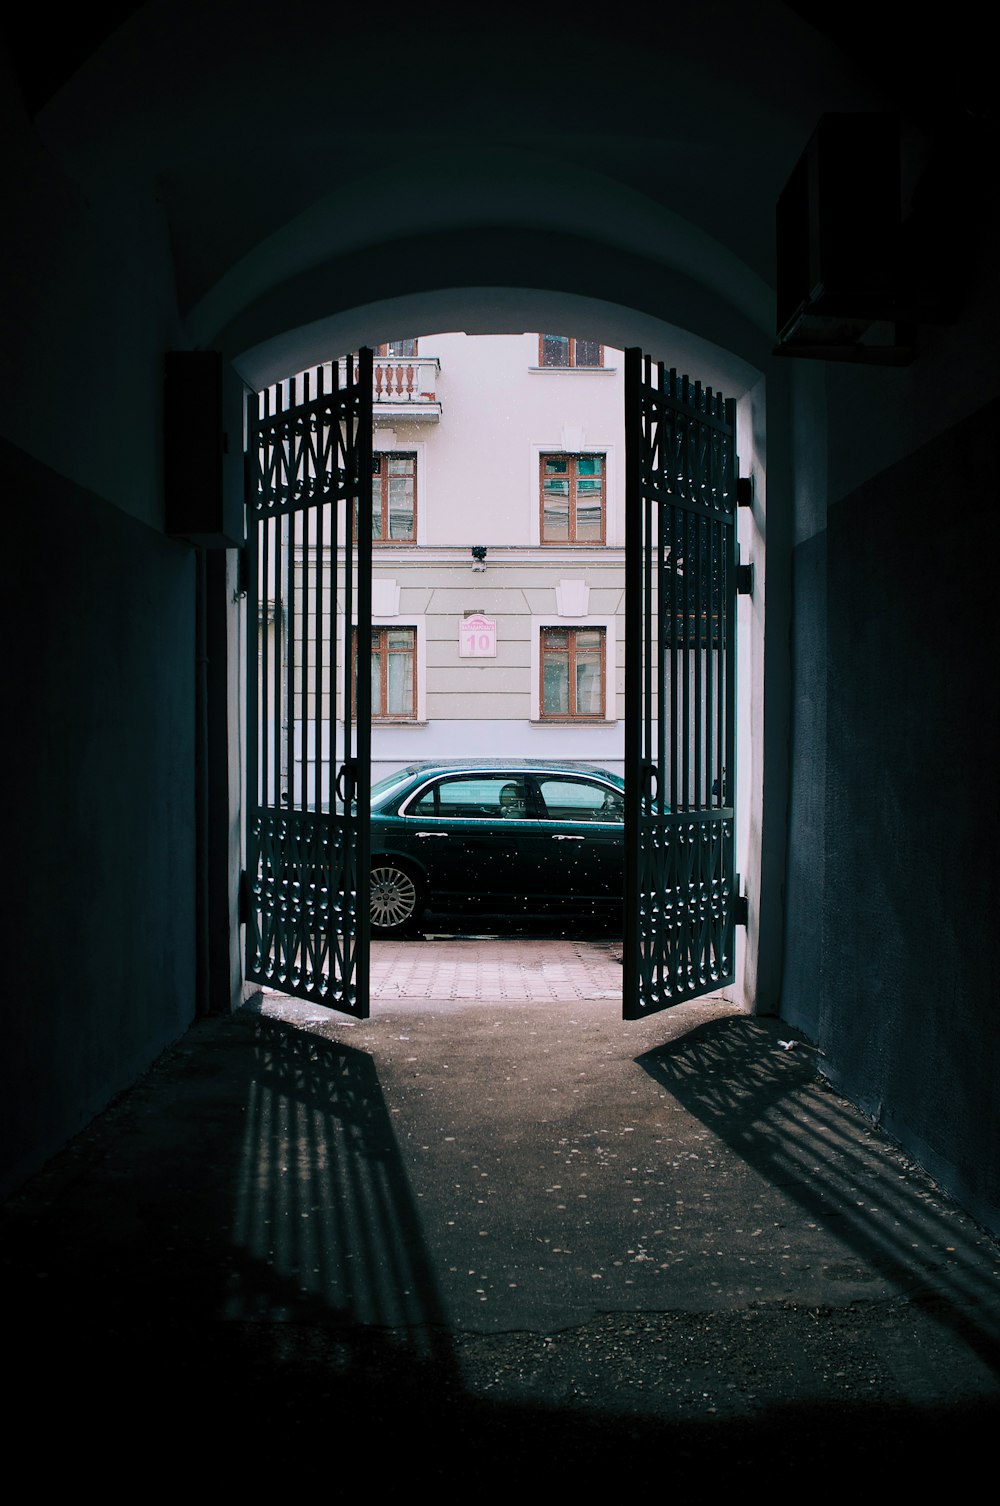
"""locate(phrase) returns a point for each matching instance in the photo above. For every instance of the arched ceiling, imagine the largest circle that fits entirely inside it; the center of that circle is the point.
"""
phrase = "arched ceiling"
(310, 160)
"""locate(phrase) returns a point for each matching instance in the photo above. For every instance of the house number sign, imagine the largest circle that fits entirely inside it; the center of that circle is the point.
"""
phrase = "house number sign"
(477, 637)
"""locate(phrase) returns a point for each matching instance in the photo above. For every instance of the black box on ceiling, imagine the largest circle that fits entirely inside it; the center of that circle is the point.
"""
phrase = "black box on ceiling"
(838, 229)
(203, 450)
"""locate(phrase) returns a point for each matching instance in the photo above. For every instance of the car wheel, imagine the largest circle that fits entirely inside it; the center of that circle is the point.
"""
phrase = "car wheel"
(395, 898)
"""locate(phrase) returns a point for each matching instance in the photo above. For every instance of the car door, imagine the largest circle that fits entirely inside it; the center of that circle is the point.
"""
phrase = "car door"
(580, 831)
(471, 834)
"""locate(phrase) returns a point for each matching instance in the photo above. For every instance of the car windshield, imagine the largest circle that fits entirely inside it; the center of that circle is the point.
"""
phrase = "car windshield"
(389, 783)
(383, 788)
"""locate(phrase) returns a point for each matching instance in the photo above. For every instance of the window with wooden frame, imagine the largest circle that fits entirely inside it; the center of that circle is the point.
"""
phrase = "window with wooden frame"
(394, 673)
(394, 497)
(572, 499)
(572, 674)
(566, 351)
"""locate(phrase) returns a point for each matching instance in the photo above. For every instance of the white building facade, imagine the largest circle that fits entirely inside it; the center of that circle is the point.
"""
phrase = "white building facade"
(498, 571)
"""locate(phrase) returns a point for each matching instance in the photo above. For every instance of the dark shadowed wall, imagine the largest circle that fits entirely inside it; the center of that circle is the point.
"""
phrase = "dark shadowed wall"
(100, 865)
(895, 805)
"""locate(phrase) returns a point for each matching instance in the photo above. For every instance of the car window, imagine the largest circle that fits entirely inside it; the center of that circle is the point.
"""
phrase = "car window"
(480, 797)
(581, 800)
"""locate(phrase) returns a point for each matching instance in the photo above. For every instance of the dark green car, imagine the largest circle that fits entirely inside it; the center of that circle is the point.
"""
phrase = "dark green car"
(503, 838)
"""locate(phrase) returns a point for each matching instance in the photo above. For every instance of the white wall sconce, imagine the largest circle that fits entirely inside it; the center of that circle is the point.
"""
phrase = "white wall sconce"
(479, 556)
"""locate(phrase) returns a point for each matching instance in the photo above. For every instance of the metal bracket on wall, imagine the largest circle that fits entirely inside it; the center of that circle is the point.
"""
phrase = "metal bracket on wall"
(744, 580)
(744, 491)
(741, 910)
(244, 898)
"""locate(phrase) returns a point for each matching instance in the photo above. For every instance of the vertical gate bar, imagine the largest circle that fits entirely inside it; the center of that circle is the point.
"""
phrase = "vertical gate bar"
(277, 651)
(650, 423)
(698, 635)
(321, 574)
(333, 545)
(330, 640)
(351, 521)
(710, 770)
(686, 667)
(688, 587)
(721, 687)
(293, 519)
(264, 669)
(278, 646)
(731, 608)
(362, 673)
(711, 502)
(675, 590)
(650, 790)
(285, 792)
(662, 593)
(277, 655)
(333, 646)
(305, 571)
(356, 678)
(363, 409)
(263, 525)
(698, 499)
(326, 480)
(631, 986)
(668, 611)
(258, 731)
(250, 493)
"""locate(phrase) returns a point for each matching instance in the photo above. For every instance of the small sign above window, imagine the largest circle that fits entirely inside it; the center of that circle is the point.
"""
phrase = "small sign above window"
(477, 637)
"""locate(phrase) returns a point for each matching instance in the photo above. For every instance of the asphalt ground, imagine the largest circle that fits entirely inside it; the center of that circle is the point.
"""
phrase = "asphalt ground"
(493, 1233)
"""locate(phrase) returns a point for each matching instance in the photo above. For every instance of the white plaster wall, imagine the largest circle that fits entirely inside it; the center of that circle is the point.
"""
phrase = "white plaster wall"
(478, 483)
(479, 478)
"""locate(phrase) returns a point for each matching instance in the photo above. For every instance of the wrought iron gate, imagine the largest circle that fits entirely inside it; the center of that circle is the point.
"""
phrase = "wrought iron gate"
(680, 635)
(309, 461)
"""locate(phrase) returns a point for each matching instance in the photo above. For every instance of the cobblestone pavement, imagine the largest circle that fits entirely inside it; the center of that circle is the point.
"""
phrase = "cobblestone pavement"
(494, 970)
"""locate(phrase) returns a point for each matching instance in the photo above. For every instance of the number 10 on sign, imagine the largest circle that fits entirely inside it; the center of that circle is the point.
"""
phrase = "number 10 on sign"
(477, 638)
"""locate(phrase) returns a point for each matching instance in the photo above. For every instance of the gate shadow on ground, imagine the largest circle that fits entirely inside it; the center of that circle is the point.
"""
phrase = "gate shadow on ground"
(245, 1203)
(757, 1088)
(324, 1215)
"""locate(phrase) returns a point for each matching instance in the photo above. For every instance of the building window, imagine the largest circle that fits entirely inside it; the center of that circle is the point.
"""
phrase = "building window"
(566, 351)
(394, 497)
(394, 673)
(572, 674)
(397, 348)
(572, 499)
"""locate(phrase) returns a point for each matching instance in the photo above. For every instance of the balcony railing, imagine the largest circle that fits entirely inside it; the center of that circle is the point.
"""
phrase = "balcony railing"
(405, 383)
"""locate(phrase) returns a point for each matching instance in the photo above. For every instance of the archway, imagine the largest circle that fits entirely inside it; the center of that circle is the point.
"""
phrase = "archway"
(504, 310)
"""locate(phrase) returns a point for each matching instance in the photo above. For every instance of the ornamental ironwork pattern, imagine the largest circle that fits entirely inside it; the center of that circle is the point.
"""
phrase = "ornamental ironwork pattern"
(686, 886)
(309, 735)
(303, 441)
(304, 907)
(681, 497)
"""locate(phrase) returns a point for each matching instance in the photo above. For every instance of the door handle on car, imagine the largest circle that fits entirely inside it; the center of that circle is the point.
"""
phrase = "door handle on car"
(558, 837)
(430, 834)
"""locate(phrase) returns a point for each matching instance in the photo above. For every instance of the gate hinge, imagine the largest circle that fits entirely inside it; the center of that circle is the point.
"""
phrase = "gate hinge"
(741, 910)
(744, 491)
(243, 902)
(744, 580)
